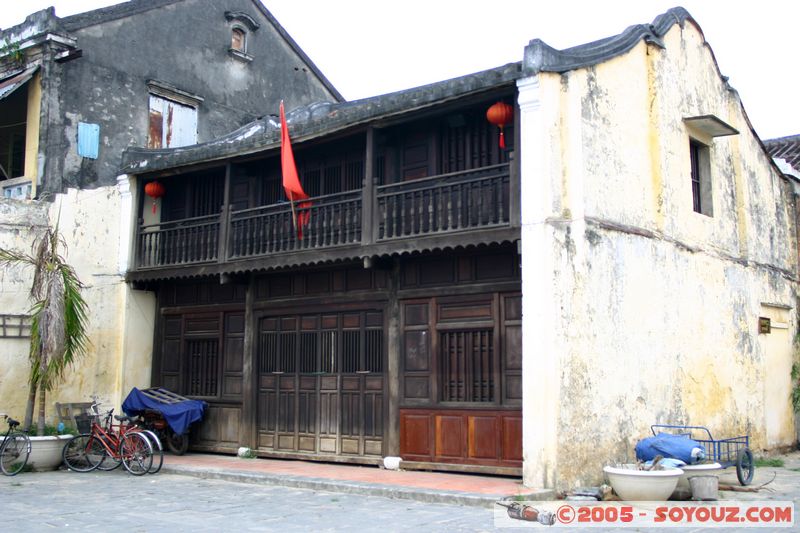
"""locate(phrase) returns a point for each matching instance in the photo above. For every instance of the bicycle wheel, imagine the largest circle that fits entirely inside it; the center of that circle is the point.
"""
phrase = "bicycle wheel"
(109, 463)
(137, 453)
(158, 451)
(83, 453)
(178, 444)
(14, 453)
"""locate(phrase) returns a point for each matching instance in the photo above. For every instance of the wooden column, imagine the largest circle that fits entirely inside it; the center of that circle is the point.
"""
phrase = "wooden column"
(249, 433)
(368, 191)
(514, 179)
(224, 217)
(392, 443)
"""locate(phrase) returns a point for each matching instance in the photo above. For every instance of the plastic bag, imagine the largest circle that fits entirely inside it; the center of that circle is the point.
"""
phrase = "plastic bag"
(668, 445)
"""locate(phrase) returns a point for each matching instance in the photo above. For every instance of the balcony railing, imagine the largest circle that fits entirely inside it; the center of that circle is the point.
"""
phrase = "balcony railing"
(439, 204)
(331, 220)
(179, 242)
(457, 202)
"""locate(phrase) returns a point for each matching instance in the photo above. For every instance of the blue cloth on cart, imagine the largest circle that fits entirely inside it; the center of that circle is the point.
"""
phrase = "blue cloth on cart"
(668, 445)
(178, 415)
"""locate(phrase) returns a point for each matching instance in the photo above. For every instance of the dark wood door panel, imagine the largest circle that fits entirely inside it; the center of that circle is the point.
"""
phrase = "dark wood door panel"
(321, 387)
(460, 436)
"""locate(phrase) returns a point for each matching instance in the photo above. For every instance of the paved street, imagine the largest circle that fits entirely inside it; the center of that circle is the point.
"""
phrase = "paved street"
(117, 501)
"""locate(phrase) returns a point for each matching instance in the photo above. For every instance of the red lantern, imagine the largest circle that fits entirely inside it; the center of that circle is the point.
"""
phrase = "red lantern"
(154, 190)
(500, 114)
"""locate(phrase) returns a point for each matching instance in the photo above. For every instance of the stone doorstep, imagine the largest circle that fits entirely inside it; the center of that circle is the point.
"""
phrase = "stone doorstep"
(357, 487)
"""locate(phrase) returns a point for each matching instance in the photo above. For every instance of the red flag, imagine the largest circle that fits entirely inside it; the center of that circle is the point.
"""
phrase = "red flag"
(291, 181)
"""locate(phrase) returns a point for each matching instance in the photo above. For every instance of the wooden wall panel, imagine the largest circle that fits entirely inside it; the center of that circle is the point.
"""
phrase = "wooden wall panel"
(483, 437)
(491, 438)
(449, 436)
(512, 438)
(220, 428)
(416, 436)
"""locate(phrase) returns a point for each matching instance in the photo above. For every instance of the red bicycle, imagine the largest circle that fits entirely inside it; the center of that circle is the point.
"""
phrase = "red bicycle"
(124, 443)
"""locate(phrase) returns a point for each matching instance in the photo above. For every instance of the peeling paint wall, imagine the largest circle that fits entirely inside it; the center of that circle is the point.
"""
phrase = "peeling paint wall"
(19, 221)
(120, 320)
(648, 310)
(107, 85)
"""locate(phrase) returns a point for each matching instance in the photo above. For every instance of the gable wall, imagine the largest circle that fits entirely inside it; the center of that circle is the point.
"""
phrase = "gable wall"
(185, 45)
(646, 311)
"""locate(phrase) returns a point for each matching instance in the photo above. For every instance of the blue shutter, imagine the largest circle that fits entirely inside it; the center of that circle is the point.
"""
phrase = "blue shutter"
(88, 140)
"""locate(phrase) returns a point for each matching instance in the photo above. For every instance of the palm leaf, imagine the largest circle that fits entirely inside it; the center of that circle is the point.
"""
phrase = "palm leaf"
(59, 314)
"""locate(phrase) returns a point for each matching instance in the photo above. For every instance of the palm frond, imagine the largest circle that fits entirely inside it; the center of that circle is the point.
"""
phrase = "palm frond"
(59, 315)
(10, 258)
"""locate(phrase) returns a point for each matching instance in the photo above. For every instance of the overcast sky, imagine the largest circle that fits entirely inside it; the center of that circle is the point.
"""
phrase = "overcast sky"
(369, 47)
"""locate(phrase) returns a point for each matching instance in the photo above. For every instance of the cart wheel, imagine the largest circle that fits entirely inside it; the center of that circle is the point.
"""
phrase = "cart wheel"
(745, 466)
(178, 444)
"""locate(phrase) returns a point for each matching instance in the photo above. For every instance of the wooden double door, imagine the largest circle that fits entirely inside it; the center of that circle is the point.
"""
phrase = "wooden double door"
(321, 383)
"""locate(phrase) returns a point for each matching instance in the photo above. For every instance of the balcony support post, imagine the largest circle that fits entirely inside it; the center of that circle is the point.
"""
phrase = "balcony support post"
(225, 217)
(368, 191)
(513, 190)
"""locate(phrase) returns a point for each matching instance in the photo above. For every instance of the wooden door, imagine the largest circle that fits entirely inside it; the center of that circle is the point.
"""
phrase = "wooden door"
(321, 383)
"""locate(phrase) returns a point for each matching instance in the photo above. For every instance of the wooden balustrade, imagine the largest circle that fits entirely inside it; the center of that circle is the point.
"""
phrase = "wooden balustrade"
(456, 202)
(453, 202)
(330, 220)
(179, 242)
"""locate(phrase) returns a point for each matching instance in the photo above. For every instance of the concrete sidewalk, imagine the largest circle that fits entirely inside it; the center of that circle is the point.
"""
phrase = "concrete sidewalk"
(430, 487)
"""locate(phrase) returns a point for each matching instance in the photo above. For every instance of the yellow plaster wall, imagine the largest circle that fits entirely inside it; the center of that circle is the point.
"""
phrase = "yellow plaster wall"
(32, 131)
(120, 319)
(656, 306)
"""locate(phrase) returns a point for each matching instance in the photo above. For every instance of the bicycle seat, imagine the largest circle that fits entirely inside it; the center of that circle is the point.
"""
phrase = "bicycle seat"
(12, 423)
(123, 418)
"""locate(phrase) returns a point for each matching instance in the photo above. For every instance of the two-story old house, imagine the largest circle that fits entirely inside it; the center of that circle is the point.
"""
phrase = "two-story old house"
(527, 307)
(626, 256)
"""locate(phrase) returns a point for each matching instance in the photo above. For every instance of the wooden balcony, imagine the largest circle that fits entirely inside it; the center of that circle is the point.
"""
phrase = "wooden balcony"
(364, 222)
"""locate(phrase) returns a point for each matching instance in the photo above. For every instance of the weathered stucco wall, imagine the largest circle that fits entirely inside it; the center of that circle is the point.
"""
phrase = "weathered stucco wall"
(642, 310)
(120, 319)
(18, 222)
(185, 45)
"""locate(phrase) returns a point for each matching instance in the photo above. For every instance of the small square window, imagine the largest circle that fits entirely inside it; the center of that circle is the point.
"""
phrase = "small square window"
(238, 40)
(700, 157)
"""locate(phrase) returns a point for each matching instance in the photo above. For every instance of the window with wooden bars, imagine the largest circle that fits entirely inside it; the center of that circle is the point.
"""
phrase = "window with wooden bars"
(15, 326)
(349, 344)
(467, 365)
(203, 363)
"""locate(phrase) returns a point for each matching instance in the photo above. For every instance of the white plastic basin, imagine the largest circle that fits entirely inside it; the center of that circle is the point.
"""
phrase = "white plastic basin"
(698, 470)
(632, 484)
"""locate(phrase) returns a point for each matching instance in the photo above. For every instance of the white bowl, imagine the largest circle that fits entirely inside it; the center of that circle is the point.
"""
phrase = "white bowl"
(698, 470)
(632, 484)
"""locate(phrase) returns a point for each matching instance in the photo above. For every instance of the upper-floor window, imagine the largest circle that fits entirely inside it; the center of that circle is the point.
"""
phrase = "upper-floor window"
(242, 25)
(703, 130)
(239, 40)
(699, 155)
(172, 117)
(171, 124)
(19, 130)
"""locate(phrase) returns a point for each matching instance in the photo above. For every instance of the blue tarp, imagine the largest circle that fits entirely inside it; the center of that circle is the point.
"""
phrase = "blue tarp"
(668, 445)
(178, 415)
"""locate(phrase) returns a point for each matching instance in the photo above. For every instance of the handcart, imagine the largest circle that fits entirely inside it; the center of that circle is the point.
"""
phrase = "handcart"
(726, 452)
(166, 413)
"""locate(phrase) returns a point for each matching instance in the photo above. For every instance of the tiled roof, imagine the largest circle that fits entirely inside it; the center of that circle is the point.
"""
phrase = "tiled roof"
(106, 14)
(787, 148)
(322, 118)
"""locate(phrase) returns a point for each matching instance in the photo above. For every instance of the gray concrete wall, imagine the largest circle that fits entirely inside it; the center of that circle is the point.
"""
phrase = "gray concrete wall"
(185, 45)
